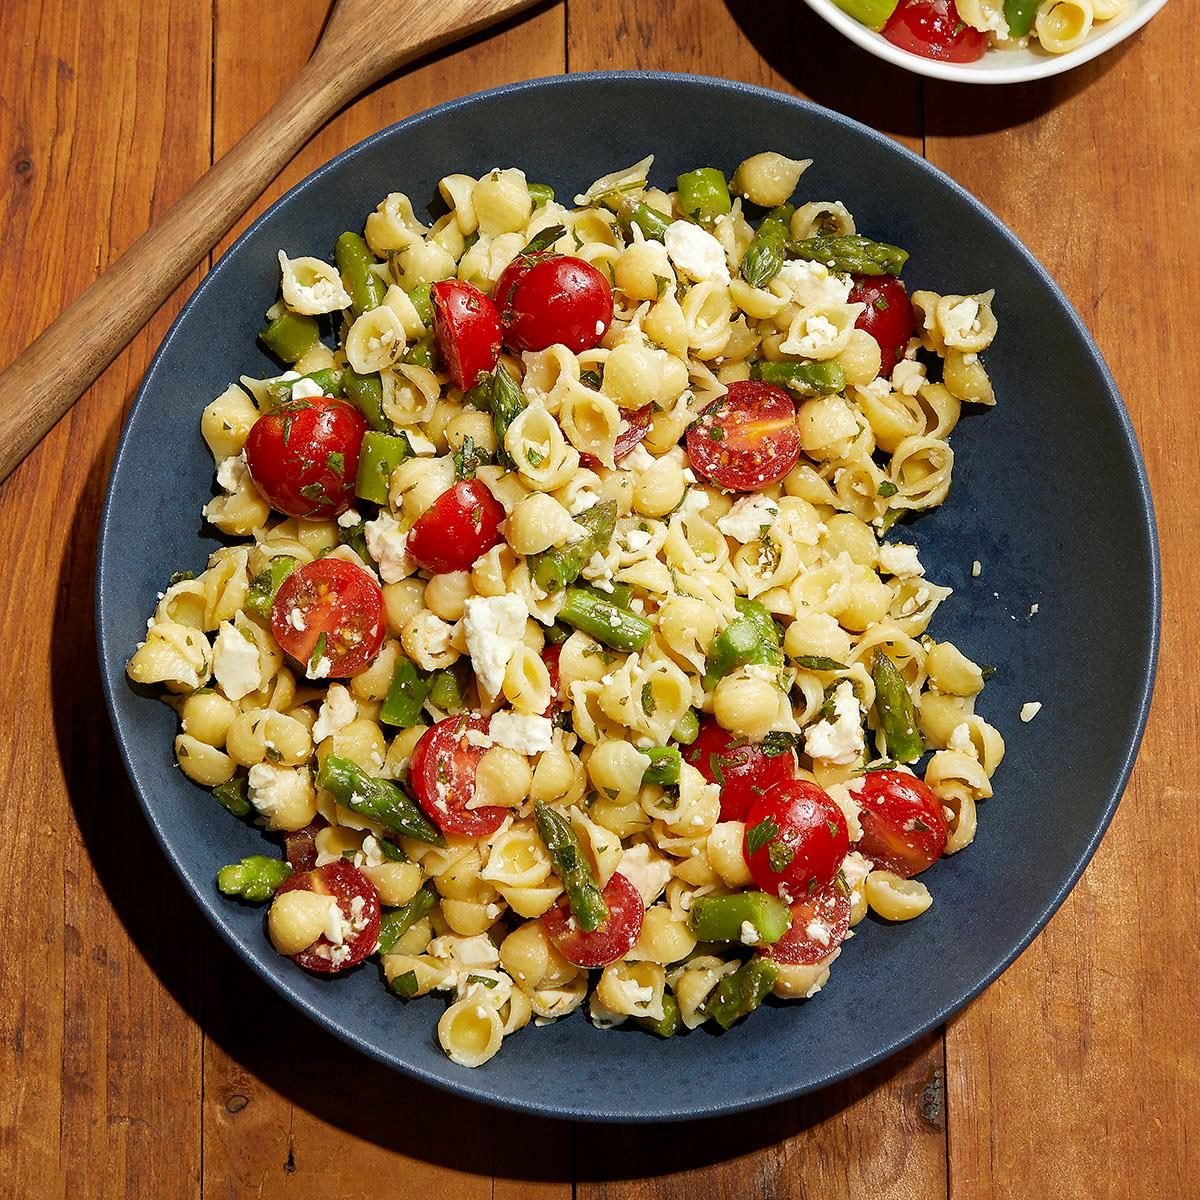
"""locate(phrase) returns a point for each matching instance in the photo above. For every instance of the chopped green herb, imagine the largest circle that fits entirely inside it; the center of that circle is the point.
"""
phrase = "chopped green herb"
(406, 985)
(590, 379)
(880, 303)
(780, 857)
(715, 433)
(648, 699)
(758, 836)
(778, 742)
(920, 825)
(318, 654)
(534, 456)
(336, 462)
(543, 241)
(181, 577)
(817, 662)
(833, 827)
(887, 488)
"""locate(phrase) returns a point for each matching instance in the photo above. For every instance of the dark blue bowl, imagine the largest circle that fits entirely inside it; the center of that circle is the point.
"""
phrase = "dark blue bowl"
(1049, 494)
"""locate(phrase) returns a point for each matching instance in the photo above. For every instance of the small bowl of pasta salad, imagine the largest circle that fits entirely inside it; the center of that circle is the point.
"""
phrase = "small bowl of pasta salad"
(987, 41)
(571, 665)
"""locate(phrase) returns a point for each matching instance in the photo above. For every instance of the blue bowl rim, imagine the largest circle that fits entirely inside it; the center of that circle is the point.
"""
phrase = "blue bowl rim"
(772, 1094)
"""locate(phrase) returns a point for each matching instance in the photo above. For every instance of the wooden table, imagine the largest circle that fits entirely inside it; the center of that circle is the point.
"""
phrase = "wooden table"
(140, 1059)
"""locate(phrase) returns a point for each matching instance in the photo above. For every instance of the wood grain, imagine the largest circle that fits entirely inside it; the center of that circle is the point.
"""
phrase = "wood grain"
(140, 1059)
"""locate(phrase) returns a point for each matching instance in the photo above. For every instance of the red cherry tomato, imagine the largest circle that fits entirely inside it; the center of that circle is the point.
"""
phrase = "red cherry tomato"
(795, 839)
(608, 943)
(819, 926)
(359, 901)
(743, 769)
(304, 456)
(747, 439)
(332, 597)
(442, 774)
(637, 425)
(933, 29)
(467, 327)
(904, 828)
(463, 523)
(546, 299)
(300, 845)
(888, 317)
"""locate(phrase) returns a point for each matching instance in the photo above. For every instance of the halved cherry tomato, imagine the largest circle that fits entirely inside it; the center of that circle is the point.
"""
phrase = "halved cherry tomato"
(606, 944)
(467, 327)
(334, 598)
(933, 29)
(795, 839)
(747, 439)
(819, 926)
(743, 769)
(904, 828)
(463, 523)
(359, 901)
(888, 317)
(442, 775)
(304, 456)
(637, 425)
(300, 845)
(545, 299)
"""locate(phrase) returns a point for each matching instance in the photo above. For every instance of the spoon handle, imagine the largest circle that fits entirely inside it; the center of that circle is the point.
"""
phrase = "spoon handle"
(48, 377)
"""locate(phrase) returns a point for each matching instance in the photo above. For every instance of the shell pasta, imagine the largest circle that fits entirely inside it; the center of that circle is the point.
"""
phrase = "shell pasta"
(563, 642)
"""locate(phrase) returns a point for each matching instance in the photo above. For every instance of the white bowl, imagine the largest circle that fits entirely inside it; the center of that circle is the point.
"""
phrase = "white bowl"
(996, 66)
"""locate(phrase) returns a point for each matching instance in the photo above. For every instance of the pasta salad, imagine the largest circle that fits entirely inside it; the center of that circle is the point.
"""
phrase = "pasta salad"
(561, 633)
(963, 30)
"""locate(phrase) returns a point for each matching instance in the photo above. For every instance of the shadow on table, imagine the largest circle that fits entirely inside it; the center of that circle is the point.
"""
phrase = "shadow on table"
(831, 70)
(263, 1046)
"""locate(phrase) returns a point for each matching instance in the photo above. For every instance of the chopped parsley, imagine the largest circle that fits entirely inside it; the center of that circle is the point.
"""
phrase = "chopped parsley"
(887, 488)
(780, 856)
(318, 654)
(817, 662)
(336, 462)
(778, 742)
(648, 705)
(534, 456)
(762, 833)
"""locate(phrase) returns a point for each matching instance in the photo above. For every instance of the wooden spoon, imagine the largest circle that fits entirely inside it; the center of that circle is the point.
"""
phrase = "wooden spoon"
(362, 41)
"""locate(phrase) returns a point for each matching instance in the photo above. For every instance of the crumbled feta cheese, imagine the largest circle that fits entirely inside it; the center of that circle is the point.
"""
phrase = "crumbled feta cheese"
(694, 500)
(319, 669)
(236, 662)
(977, 568)
(637, 539)
(749, 518)
(430, 639)
(1033, 610)
(696, 253)
(295, 619)
(494, 626)
(813, 283)
(840, 740)
(371, 854)
(520, 732)
(819, 332)
(909, 377)
(1030, 710)
(818, 931)
(748, 935)
(419, 442)
(638, 459)
(387, 544)
(272, 789)
(466, 952)
(960, 321)
(582, 501)
(647, 870)
(855, 869)
(900, 559)
(960, 740)
(232, 473)
(337, 711)
(350, 518)
(306, 389)
(879, 388)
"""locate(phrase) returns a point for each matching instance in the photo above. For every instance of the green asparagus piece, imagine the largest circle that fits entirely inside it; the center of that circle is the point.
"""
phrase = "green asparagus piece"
(665, 764)
(739, 994)
(422, 301)
(632, 212)
(688, 729)
(552, 570)
(290, 336)
(604, 620)
(703, 194)
(541, 194)
(423, 353)
(231, 796)
(380, 800)
(764, 255)
(853, 253)
(262, 591)
(365, 392)
(381, 454)
(399, 921)
(354, 261)
(406, 696)
(556, 634)
(328, 379)
(254, 878)
(805, 379)
(355, 536)
(752, 638)
(669, 1025)
(894, 706)
(875, 14)
(1018, 15)
(722, 918)
(583, 893)
(444, 692)
(501, 394)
